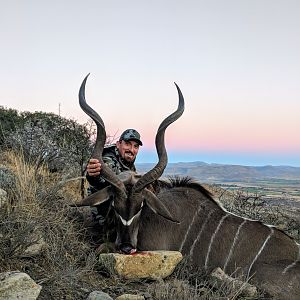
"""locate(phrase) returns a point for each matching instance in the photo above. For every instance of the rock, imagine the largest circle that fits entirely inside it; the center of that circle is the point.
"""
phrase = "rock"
(36, 248)
(35, 244)
(130, 297)
(16, 285)
(148, 264)
(244, 288)
(98, 295)
(3, 197)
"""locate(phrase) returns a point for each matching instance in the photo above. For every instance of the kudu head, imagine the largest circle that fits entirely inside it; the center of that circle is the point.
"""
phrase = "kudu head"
(128, 192)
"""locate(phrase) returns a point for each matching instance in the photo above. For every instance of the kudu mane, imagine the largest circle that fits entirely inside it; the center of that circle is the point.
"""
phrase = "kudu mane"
(186, 181)
(174, 181)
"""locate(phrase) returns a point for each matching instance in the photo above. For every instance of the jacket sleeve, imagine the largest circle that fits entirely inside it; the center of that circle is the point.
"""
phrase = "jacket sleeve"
(98, 182)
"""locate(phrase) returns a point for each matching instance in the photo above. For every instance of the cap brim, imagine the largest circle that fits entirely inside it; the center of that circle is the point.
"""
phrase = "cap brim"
(136, 140)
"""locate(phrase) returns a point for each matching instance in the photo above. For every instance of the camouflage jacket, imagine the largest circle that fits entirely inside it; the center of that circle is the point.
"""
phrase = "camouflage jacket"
(112, 158)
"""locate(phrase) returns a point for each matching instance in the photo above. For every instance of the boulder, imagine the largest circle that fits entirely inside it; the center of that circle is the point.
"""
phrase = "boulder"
(147, 264)
(99, 295)
(17, 285)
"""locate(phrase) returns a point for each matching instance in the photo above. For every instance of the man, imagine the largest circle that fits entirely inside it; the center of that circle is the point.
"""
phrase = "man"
(119, 157)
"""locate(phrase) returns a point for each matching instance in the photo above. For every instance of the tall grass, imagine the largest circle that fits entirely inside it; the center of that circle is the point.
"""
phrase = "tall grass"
(38, 210)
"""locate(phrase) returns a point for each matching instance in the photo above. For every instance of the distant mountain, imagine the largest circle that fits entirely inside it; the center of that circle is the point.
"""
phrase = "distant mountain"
(221, 173)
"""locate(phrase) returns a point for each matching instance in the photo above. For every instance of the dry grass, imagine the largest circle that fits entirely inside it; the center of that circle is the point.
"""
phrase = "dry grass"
(186, 283)
(38, 209)
(67, 267)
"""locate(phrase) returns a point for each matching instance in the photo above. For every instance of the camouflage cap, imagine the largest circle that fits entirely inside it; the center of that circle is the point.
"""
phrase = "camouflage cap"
(131, 134)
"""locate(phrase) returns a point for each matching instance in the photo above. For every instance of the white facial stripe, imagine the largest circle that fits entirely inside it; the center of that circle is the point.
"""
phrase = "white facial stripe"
(127, 223)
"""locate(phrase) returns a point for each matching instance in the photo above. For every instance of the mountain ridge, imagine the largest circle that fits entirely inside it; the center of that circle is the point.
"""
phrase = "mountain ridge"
(213, 172)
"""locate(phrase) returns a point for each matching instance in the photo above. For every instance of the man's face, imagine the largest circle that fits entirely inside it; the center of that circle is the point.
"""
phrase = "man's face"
(128, 149)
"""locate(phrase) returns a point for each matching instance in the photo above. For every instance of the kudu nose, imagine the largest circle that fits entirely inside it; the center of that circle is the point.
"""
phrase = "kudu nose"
(127, 249)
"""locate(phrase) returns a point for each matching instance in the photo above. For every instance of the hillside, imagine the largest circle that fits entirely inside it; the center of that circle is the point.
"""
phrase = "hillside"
(217, 173)
(277, 185)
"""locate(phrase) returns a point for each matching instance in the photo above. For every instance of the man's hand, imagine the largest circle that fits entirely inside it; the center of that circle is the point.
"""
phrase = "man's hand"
(94, 167)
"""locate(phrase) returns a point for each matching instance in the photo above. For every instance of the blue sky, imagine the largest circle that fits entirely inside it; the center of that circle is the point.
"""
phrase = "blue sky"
(236, 62)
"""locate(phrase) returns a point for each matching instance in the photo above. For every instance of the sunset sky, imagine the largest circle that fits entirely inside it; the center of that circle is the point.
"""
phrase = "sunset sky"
(236, 62)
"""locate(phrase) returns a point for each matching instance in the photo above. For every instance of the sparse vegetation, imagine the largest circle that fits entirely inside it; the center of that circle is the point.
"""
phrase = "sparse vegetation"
(255, 206)
(67, 266)
(38, 212)
(37, 209)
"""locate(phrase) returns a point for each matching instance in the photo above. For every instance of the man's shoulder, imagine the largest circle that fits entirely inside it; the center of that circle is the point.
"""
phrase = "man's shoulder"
(111, 158)
(110, 150)
(110, 155)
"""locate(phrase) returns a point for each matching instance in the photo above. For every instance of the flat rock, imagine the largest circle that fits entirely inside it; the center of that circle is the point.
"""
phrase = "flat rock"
(17, 285)
(147, 264)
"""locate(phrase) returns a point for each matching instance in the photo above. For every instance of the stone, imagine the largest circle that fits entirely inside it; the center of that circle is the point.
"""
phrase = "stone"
(99, 295)
(130, 297)
(36, 248)
(17, 285)
(142, 265)
(36, 244)
(245, 289)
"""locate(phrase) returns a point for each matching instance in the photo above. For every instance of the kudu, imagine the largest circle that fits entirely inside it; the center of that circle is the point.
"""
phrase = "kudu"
(180, 214)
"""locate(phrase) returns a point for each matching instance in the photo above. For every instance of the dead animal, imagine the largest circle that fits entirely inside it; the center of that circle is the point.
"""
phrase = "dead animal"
(180, 214)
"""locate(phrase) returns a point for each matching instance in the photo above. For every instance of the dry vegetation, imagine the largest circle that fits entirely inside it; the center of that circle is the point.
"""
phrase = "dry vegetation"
(67, 266)
(255, 207)
(38, 210)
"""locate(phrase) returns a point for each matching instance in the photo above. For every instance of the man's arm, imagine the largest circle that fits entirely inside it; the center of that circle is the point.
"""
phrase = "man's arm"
(93, 175)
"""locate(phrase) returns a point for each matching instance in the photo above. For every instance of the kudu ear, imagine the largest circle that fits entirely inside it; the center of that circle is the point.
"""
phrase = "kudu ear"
(96, 198)
(157, 206)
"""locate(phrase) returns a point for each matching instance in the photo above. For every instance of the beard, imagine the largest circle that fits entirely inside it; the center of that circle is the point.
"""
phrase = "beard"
(128, 160)
(129, 156)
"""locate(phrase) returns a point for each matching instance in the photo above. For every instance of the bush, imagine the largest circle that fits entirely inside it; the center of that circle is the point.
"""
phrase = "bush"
(45, 138)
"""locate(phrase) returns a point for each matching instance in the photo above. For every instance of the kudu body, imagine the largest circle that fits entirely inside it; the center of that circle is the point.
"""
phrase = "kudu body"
(180, 214)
